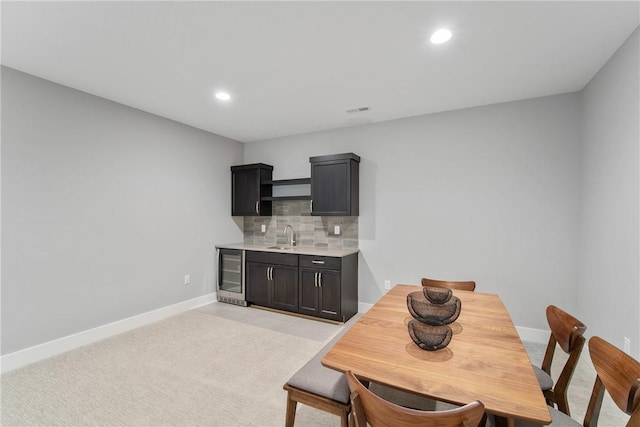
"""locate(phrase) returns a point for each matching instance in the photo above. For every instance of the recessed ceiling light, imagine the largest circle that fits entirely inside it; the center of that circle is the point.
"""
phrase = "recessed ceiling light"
(440, 36)
(223, 96)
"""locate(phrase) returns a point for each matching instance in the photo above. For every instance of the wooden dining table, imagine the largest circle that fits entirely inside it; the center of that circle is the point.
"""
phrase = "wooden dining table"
(484, 361)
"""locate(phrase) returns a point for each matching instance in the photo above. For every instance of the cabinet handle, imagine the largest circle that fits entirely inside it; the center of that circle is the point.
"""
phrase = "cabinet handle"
(270, 273)
(319, 280)
(258, 206)
(315, 280)
(317, 262)
(311, 206)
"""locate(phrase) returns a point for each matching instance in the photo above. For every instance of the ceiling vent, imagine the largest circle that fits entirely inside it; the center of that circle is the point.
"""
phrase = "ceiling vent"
(357, 110)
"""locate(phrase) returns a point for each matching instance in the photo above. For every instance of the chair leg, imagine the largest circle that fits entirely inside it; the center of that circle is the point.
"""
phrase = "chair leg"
(344, 419)
(291, 411)
(563, 404)
(483, 421)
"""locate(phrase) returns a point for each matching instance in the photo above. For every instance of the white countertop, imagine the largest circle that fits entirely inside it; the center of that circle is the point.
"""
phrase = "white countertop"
(301, 250)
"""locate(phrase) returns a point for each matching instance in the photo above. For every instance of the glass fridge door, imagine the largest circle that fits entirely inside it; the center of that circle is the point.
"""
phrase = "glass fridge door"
(231, 271)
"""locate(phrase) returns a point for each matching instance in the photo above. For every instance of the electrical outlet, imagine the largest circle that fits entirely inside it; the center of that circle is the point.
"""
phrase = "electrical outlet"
(627, 345)
(336, 230)
(263, 228)
(187, 279)
(387, 284)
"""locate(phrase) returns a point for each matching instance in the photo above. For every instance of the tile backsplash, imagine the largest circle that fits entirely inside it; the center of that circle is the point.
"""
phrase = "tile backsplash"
(310, 231)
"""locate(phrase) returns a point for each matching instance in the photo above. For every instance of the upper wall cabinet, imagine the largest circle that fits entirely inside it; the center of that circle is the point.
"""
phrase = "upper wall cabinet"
(250, 185)
(334, 184)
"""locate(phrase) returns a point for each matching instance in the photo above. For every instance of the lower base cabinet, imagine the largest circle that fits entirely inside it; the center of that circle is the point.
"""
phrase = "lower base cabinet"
(272, 280)
(319, 286)
(257, 279)
(285, 288)
(320, 290)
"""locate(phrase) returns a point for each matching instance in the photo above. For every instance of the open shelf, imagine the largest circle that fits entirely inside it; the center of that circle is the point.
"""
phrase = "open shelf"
(295, 181)
(304, 197)
(298, 189)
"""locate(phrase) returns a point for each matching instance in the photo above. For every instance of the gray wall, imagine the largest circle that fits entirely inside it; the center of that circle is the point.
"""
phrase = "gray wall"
(609, 277)
(488, 194)
(104, 210)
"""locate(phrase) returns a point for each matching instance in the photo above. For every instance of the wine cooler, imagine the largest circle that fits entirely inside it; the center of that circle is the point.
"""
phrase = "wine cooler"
(231, 276)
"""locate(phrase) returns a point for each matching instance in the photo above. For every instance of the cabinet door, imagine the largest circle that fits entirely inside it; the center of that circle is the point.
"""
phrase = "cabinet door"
(257, 283)
(251, 189)
(308, 291)
(245, 192)
(285, 287)
(330, 300)
(330, 188)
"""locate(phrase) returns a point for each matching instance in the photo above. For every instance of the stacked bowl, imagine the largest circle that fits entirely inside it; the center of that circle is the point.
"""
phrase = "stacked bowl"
(432, 310)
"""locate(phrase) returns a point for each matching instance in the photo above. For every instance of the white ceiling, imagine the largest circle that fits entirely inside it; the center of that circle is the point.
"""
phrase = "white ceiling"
(295, 67)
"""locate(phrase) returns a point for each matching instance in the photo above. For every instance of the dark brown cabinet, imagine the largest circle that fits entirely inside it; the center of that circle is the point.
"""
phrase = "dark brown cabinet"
(317, 286)
(329, 286)
(272, 280)
(258, 283)
(250, 185)
(335, 184)
(284, 290)
(320, 292)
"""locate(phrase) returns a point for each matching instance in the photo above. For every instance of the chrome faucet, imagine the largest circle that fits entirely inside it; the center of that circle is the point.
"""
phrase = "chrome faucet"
(291, 241)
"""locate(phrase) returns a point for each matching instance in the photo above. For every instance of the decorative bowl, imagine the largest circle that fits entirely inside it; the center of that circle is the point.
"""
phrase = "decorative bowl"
(429, 337)
(433, 314)
(437, 295)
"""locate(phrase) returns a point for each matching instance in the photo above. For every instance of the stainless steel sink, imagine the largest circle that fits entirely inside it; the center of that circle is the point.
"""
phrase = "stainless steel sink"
(281, 248)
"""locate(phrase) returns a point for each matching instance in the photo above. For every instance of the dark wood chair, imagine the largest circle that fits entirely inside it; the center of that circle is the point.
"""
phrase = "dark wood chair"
(367, 407)
(468, 285)
(296, 395)
(319, 387)
(567, 332)
(619, 374)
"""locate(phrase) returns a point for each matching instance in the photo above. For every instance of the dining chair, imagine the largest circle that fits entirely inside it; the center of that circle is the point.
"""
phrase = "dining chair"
(468, 285)
(618, 374)
(567, 332)
(367, 407)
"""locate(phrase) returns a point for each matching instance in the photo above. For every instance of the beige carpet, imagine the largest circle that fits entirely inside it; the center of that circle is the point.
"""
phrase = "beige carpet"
(202, 369)
(189, 370)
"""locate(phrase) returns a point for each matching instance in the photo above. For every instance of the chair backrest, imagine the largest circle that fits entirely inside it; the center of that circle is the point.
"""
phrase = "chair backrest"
(467, 285)
(566, 329)
(619, 374)
(368, 407)
(567, 332)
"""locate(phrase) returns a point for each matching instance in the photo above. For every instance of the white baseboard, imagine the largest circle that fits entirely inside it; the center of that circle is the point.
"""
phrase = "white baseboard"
(533, 335)
(363, 307)
(39, 352)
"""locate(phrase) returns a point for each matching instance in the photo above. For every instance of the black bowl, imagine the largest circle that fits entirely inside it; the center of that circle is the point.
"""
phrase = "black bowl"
(429, 337)
(437, 295)
(433, 314)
